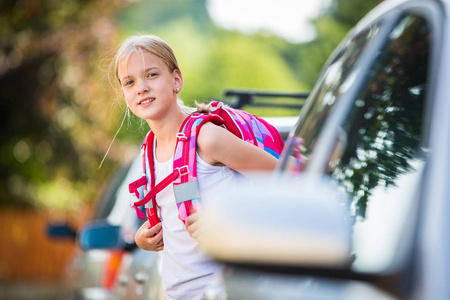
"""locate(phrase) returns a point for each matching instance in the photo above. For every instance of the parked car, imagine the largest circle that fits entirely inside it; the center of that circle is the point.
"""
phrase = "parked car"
(93, 274)
(366, 217)
(138, 272)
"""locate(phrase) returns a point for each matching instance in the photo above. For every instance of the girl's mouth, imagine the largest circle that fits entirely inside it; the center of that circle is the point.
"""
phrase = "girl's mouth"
(146, 101)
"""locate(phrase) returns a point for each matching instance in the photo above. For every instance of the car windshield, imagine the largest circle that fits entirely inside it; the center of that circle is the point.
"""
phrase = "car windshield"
(380, 149)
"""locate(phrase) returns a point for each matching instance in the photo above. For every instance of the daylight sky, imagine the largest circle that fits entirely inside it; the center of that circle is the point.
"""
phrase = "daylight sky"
(286, 18)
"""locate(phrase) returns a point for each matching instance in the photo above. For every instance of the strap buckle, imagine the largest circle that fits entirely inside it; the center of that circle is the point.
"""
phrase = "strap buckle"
(184, 170)
(181, 136)
(215, 105)
(197, 115)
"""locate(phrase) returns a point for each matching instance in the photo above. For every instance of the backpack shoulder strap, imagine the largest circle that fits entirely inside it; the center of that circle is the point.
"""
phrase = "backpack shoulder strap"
(185, 186)
(149, 199)
(250, 128)
(236, 121)
(184, 175)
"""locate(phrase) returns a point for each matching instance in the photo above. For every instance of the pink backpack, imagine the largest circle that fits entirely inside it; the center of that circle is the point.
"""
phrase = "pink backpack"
(184, 176)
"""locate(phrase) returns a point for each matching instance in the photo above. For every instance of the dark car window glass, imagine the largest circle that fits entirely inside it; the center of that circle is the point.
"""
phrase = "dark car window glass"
(380, 151)
(379, 154)
(108, 196)
(329, 88)
(121, 213)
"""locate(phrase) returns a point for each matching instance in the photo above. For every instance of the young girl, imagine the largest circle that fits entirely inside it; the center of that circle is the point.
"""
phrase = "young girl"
(151, 80)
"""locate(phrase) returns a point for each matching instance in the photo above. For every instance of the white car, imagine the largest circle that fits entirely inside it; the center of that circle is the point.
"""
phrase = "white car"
(368, 215)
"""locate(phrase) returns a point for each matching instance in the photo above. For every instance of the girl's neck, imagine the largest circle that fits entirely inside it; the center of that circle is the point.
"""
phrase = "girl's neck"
(165, 131)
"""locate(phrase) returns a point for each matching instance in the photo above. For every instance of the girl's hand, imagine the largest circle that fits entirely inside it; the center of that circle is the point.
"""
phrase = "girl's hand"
(150, 239)
(193, 225)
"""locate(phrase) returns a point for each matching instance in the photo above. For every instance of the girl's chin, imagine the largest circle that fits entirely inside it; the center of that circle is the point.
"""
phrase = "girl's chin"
(147, 115)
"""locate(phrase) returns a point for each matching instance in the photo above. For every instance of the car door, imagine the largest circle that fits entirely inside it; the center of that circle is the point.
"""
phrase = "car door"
(366, 125)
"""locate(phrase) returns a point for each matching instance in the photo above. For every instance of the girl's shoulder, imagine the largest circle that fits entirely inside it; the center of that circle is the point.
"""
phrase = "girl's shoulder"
(211, 134)
(213, 141)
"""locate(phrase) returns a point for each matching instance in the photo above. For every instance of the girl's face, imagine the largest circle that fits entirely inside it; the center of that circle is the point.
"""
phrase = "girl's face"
(149, 88)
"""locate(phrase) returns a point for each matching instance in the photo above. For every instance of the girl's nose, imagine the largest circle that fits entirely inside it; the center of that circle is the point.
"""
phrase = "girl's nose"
(143, 88)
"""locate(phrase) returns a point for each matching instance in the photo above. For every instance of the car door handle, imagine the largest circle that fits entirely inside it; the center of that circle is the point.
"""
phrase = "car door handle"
(141, 277)
(123, 279)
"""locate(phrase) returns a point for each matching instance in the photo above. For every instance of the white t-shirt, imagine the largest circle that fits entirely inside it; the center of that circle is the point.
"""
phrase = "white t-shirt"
(186, 270)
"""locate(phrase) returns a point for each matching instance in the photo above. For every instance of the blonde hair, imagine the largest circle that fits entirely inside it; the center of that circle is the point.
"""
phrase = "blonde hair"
(160, 48)
(156, 46)
(150, 43)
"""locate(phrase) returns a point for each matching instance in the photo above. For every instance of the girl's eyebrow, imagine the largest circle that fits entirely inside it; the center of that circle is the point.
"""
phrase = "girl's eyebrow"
(151, 68)
(145, 71)
(125, 78)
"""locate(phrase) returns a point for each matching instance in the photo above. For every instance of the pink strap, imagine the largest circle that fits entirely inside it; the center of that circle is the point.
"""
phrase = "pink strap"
(189, 148)
(139, 213)
(152, 214)
(155, 190)
(187, 157)
(133, 187)
(162, 185)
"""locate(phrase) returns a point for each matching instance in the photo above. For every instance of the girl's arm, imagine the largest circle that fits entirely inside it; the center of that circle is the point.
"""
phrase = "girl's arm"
(216, 146)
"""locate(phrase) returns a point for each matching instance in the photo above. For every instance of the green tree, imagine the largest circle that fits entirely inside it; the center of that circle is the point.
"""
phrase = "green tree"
(212, 58)
(59, 112)
(54, 106)
(331, 27)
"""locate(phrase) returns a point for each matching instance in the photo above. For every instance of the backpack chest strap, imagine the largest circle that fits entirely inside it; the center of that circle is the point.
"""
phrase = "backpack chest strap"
(184, 175)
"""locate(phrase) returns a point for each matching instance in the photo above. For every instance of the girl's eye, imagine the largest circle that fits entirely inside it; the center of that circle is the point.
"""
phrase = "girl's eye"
(149, 75)
(128, 82)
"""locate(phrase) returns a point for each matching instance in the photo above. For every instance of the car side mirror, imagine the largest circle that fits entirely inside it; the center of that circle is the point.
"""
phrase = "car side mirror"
(301, 222)
(103, 235)
(61, 231)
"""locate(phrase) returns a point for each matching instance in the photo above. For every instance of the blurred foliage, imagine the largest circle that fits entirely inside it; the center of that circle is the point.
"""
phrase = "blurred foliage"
(331, 26)
(54, 100)
(211, 58)
(59, 112)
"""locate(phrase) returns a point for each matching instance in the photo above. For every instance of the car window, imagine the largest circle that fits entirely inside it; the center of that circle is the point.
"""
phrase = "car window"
(383, 131)
(380, 151)
(328, 89)
(121, 212)
(380, 154)
(108, 196)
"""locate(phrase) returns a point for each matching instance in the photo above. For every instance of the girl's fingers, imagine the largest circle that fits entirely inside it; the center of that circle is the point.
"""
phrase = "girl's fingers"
(154, 230)
(193, 225)
(192, 219)
(157, 237)
(150, 238)
(158, 241)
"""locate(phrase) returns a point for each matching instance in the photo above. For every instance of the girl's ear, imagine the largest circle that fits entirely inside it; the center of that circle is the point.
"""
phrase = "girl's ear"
(123, 94)
(178, 80)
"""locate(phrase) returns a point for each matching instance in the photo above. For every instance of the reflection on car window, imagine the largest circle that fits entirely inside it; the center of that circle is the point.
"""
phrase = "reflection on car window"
(329, 88)
(381, 153)
(383, 130)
